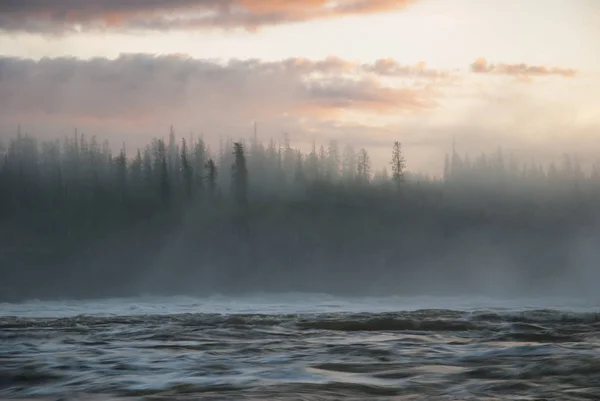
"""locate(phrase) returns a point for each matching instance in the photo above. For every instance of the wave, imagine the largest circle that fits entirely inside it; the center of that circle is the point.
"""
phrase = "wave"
(427, 352)
(389, 324)
(518, 324)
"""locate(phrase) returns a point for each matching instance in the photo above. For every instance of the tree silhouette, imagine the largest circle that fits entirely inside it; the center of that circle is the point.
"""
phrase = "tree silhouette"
(398, 163)
(239, 175)
(211, 177)
(186, 170)
(363, 169)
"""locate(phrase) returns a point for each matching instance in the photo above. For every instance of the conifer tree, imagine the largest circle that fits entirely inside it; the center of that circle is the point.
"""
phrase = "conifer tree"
(239, 175)
(398, 163)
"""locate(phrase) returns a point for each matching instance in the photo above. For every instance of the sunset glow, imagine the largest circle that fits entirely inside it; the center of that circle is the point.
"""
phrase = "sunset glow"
(522, 75)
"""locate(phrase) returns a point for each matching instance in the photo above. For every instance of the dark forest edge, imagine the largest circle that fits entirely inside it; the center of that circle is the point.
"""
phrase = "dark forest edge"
(78, 221)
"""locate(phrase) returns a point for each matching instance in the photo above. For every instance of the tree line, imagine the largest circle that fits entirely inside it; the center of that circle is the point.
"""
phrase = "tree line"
(176, 216)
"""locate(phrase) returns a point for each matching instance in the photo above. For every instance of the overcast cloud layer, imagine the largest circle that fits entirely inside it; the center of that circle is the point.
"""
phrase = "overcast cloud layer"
(137, 85)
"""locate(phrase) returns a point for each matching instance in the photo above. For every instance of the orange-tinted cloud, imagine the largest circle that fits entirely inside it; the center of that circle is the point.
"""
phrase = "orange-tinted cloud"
(138, 84)
(330, 98)
(72, 15)
(482, 66)
(390, 67)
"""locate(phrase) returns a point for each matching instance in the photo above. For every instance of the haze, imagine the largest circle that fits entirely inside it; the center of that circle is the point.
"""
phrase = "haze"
(493, 104)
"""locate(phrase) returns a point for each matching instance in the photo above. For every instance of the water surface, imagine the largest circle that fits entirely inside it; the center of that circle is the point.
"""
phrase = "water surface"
(301, 346)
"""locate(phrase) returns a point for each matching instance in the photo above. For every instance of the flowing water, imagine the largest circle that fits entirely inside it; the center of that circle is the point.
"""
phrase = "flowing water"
(300, 346)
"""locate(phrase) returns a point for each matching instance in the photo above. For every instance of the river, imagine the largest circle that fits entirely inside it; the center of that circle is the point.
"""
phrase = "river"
(300, 347)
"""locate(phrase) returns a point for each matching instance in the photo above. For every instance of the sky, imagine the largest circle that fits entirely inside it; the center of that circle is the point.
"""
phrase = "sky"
(520, 74)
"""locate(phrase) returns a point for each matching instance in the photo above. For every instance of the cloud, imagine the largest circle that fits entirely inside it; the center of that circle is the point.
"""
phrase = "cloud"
(482, 66)
(74, 15)
(147, 88)
(390, 67)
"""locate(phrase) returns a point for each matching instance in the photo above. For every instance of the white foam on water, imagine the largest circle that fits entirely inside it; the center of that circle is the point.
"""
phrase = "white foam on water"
(292, 303)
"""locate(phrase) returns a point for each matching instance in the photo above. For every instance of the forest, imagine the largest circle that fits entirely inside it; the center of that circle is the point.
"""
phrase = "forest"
(77, 221)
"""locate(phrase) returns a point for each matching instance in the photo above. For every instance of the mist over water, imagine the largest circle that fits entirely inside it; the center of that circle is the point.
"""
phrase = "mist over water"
(179, 218)
(299, 275)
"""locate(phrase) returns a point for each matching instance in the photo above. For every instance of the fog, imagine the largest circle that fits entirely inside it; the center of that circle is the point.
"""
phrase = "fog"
(533, 110)
(178, 218)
